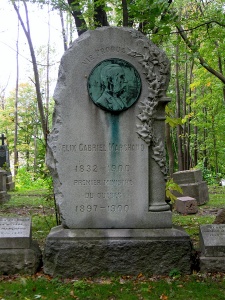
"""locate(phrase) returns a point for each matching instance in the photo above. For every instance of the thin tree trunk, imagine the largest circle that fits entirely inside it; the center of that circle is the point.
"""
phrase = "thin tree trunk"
(16, 104)
(202, 61)
(196, 146)
(185, 137)
(78, 17)
(26, 30)
(125, 14)
(65, 40)
(215, 146)
(178, 108)
(205, 161)
(190, 164)
(169, 150)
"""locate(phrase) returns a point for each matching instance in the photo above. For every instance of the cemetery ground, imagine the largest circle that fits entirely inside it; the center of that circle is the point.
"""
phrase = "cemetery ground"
(40, 207)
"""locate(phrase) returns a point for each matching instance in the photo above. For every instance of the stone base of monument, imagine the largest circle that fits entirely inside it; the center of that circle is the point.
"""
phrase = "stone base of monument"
(212, 244)
(19, 254)
(20, 261)
(82, 252)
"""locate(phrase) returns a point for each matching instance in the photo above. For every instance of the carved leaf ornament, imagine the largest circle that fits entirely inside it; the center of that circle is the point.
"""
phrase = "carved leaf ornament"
(156, 70)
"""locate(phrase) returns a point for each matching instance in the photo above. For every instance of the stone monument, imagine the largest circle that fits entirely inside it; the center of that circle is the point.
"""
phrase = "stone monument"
(192, 185)
(106, 154)
(18, 253)
(5, 163)
(212, 246)
(4, 196)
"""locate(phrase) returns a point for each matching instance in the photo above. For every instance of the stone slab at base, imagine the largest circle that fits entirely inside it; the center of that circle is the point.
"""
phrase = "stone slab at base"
(20, 261)
(212, 264)
(82, 252)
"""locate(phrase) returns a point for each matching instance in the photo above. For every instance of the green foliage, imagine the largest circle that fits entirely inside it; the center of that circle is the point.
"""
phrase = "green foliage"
(29, 181)
(171, 186)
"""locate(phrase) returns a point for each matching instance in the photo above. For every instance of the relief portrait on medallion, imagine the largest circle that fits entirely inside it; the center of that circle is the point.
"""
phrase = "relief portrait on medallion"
(114, 85)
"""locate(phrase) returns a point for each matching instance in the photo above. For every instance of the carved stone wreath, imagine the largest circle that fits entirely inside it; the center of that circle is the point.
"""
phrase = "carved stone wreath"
(156, 70)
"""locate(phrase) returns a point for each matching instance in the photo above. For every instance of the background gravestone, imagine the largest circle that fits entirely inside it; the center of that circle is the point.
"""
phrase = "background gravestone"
(18, 252)
(107, 157)
(212, 244)
(4, 196)
(5, 163)
(192, 185)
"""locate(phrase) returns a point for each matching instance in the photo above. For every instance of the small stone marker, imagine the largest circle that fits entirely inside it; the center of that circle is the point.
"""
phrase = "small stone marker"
(186, 205)
(107, 157)
(212, 246)
(15, 233)
(18, 253)
(5, 163)
(4, 196)
(192, 185)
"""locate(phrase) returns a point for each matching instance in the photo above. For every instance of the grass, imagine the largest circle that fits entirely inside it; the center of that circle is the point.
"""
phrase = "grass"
(40, 208)
(194, 287)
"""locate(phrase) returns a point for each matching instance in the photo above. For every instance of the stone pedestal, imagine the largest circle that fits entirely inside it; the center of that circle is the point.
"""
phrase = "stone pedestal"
(18, 253)
(186, 205)
(212, 245)
(192, 185)
(87, 252)
(107, 157)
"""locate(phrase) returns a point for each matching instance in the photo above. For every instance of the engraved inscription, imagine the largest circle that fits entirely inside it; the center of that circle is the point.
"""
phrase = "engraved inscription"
(99, 52)
(14, 227)
(109, 208)
(106, 182)
(86, 168)
(111, 147)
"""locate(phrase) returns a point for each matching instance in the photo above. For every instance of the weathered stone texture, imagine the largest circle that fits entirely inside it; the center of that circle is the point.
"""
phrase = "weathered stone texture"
(125, 252)
(21, 261)
(192, 185)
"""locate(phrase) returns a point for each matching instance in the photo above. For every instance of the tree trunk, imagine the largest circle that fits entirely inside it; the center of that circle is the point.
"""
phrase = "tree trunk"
(65, 40)
(26, 30)
(202, 61)
(169, 150)
(100, 17)
(125, 14)
(16, 104)
(78, 17)
(185, 135)
(196, 146)
(178, 108)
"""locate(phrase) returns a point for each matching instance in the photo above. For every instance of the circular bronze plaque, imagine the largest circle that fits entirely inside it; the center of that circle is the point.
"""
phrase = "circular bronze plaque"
(114, 85)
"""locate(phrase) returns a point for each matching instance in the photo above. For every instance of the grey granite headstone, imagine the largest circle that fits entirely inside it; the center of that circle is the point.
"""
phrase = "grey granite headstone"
(109, 166)
(5, 163)
(192, 185)
(212, 239)
(18, 252)
(106, 150)
(4, 196)
(15, 232)
(212, 245)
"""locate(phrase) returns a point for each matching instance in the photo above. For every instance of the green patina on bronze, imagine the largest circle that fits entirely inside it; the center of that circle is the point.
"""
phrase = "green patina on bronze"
(114, 85)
